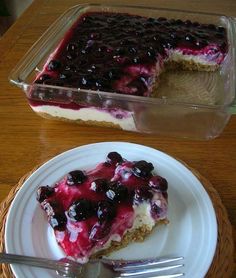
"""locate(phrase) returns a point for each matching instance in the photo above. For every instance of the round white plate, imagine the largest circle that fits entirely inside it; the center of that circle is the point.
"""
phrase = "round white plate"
(192, 231)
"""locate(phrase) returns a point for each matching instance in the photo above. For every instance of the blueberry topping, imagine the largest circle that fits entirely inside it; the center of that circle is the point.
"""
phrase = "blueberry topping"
(81, 209)
(44, 192)
(75, 177)
(104, 45)
(105, 211)
(99, 185)
(142, 169)
(114, 158)
(142, 194)
(117, 192)
(54, 65)
(158, 183)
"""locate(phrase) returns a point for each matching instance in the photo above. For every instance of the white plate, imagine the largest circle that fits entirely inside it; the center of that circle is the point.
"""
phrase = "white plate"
(192, 231)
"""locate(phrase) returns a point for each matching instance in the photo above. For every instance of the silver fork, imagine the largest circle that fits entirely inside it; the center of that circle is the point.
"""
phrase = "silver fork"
(103, 268)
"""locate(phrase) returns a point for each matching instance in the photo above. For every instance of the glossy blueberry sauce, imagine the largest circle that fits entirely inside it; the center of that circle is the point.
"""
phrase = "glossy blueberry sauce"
(85, 208)
(117, 52)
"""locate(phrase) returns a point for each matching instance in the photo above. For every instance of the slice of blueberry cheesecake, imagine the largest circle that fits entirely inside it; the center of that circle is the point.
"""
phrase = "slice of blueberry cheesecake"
(125, 54)
(98, 211)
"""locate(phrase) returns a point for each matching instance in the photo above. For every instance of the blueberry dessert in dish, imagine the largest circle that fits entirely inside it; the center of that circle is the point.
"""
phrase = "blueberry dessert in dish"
(125, 54)
(101, 210)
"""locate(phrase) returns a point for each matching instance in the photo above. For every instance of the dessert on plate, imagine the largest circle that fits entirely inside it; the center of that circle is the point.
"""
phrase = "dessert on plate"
(97, 211)
(125, 54)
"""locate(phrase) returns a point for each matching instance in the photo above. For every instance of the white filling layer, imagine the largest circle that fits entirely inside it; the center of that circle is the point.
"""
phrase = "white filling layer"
(178, 56)
(143, 216)
(87, 114)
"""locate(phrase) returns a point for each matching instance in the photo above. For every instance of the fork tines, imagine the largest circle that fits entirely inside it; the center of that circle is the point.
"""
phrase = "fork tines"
(149, 268)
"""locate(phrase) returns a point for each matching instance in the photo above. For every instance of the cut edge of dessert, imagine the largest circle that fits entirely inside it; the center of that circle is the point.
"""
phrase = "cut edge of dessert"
(126, 54)
(98, 211)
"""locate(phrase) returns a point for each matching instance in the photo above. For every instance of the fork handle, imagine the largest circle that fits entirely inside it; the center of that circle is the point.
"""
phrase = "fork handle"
(31, 261)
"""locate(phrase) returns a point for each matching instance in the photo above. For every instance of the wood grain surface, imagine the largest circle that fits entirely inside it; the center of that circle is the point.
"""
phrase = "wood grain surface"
(27, 140)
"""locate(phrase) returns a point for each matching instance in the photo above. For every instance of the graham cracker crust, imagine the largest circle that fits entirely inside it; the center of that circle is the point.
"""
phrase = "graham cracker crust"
(81, 122)
(137, 235)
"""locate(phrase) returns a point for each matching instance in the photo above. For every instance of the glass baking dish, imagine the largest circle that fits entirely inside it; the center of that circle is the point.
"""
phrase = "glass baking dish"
(189, 104)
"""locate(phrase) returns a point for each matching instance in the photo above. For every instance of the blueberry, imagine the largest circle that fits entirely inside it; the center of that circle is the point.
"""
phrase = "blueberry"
(151, 19)
(140, 84)
(219, 35)
(155, 210)
(99, 185)
(102, 48)
(187, 23)
(92, 68)
(142, 169)
(51, 207)
(86, 81)
(179, 22)
(120, 50)
(100, 231)
(159, 183)
(132, 50)
(83, 51)
(221, 29)
(70, 67)
(65, 74)
(95, 35)
(71, 56)
(211, 26)
(43, 78)
(162, 19)
(114, 158)
(223, 46)
(75, 177)
(142, 194)
(105, 211)
(54, 82)
(189, 38)
(44, 192)
(81, 210)
(58, 221)
(151, 53)
(54, 65)
(100, 83)
(113, 73)
(136, 60)
(196, 24)
(201, 43)
(117, 192)
(72, 47)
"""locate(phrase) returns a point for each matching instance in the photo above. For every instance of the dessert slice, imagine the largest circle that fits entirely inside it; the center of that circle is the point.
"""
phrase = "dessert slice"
(98, 211)
(125, 54)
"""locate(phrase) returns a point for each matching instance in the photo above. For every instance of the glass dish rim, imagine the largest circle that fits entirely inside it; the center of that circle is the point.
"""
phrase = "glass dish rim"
(14, 76)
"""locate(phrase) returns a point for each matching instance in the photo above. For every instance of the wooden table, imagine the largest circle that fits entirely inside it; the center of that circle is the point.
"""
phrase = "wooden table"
(28, 140)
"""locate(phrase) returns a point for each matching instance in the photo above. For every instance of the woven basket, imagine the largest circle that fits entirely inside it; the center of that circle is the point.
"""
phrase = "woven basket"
(222, 265)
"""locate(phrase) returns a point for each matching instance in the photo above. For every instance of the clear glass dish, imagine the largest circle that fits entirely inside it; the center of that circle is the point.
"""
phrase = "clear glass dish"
(190, 104)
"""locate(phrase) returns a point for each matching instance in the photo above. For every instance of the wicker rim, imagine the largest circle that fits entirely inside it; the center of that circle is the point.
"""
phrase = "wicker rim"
(222, 264)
